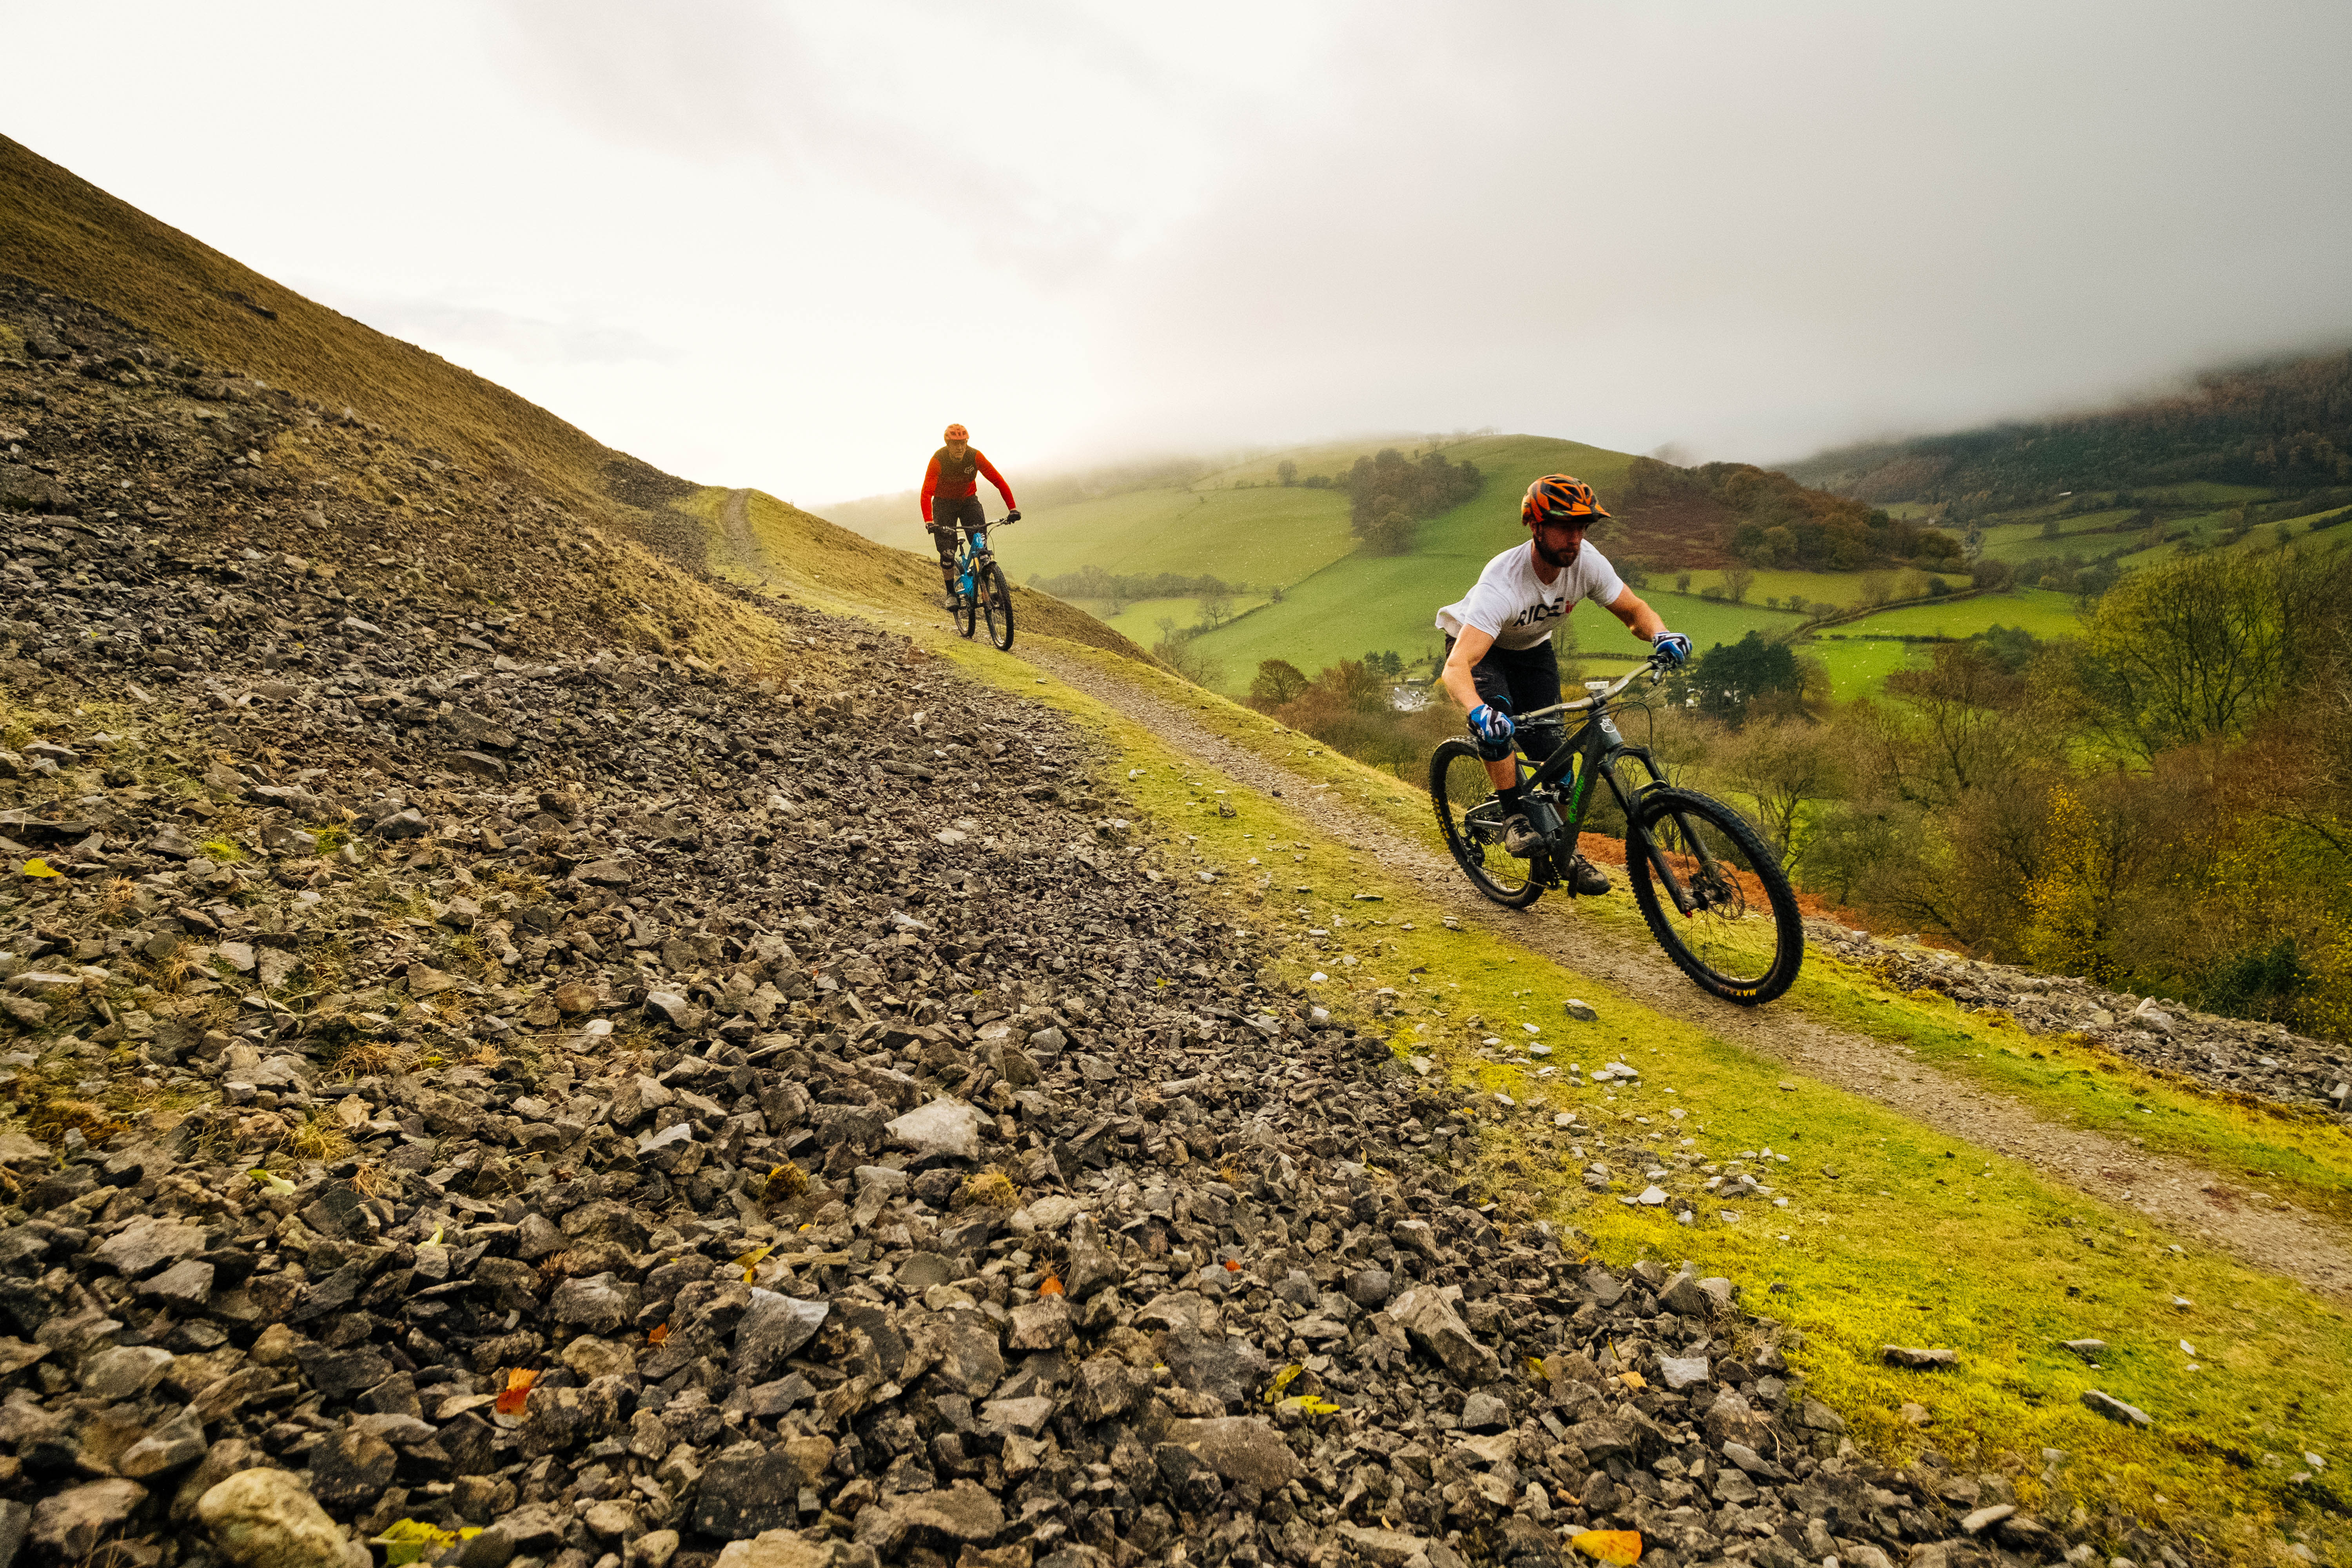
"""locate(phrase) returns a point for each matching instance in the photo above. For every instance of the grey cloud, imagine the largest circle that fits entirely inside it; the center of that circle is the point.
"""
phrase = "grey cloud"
(1755, 232)
(734, 82)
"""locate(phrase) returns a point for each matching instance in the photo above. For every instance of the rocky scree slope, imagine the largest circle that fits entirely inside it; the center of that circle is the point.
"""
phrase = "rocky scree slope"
(2230, 1056)
(422, 1001)
(119, 432)
(543, 1073)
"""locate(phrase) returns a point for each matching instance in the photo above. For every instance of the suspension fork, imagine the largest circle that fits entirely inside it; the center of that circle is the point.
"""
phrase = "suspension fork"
(1628, 801)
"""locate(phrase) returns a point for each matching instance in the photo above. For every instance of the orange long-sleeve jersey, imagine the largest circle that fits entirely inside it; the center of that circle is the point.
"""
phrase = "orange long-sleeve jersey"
(951, 480)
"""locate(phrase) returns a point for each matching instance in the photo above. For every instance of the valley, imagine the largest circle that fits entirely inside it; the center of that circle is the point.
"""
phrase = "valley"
(557, 1015)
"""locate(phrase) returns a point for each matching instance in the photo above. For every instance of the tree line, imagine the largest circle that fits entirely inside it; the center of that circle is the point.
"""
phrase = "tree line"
(2286, 425)
(1388, 492)
(1124, 589)
(2162, 803)
(1777, 522)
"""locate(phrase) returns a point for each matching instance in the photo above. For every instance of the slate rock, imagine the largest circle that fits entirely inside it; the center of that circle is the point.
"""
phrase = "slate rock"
(170, 1445)
(1435, 1328)
(125, 1373)
(71, 1523)
(772, 1329)
(1484, 1413)
(746, 1488)
(146, 1245)
(1242, 1448)
(770, 1549)
(600, 1304)
(945, 1129)
(1680, 1373)
(1040, 1325)
(351, 1470)
(2115, 1409)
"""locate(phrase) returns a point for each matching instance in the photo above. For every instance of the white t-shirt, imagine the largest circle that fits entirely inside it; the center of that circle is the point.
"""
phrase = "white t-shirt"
(1517, 607)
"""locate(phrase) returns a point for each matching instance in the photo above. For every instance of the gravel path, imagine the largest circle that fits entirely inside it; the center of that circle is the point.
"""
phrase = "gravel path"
(735, 517)
(2176, 1192)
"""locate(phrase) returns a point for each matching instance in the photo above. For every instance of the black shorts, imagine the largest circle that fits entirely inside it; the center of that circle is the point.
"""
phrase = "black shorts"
(950, 513)
(1520, 680)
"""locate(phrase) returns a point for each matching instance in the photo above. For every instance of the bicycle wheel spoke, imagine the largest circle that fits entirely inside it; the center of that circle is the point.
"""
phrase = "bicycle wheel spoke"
(1716, 899)
(1464, 798)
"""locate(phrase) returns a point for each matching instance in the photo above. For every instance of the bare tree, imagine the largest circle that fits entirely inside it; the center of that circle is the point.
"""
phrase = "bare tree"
(1737, 579)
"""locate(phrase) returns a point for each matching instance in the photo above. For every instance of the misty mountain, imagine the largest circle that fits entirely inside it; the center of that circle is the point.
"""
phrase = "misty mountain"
(2286, 425)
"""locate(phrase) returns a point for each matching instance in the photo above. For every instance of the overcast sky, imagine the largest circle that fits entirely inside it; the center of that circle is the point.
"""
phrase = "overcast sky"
(782, 245)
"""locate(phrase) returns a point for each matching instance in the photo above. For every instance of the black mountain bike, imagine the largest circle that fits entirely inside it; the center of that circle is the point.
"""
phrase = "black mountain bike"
(980, 586)
(1712, 893)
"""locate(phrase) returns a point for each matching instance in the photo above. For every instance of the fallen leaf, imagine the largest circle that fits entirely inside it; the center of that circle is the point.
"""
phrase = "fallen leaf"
(1308, 1404)
(1632, 1380)
(1619, 1546)
(1282, 1379)
(278, 1186)
(750, 1262)
(1232, 1266)
(516, 1390)
(37, 867)
(657, 1333)
(1050, 1286)
(409, 1539)
(436, 1240)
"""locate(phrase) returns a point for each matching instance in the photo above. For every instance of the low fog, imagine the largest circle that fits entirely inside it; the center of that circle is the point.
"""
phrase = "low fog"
(783, 245)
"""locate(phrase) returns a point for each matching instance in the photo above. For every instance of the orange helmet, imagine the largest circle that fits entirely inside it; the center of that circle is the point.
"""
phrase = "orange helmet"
(957, 433)
(1559, 498)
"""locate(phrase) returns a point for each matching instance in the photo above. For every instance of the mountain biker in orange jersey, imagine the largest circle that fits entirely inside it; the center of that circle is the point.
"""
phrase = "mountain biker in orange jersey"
(1498, 648)
(952, 481)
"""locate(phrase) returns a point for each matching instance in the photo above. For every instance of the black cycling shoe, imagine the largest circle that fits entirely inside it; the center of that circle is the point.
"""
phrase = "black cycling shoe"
(1520, 838)
(1584, 877)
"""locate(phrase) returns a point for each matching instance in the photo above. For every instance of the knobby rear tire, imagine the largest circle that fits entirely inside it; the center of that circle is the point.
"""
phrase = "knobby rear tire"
(1749, 944)
(1458, 785)
(996, 603)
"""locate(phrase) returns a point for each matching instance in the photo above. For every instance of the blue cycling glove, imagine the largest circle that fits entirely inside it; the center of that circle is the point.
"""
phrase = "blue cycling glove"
(1492, 728)
(1672, 646)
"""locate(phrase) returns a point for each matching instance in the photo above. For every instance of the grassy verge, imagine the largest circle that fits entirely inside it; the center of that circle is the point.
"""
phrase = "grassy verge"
(1920, 1239)
(2304, 1160)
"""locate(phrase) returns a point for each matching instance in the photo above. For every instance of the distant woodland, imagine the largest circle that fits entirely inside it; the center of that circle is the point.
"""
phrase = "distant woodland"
(2286, 427)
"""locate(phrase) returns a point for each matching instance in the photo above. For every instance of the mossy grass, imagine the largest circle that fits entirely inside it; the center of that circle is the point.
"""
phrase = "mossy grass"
(2303, 1158)
(1920, 1239)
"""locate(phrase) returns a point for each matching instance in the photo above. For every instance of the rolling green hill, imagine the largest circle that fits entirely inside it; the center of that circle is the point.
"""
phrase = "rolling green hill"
(2279, 427)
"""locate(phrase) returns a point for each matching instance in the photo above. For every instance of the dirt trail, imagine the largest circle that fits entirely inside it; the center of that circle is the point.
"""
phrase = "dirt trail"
(735, 517)
(2164, 1187)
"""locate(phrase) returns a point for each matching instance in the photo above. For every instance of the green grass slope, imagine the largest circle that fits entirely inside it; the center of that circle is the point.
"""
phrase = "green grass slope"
(1264, 538)
(1372, 602)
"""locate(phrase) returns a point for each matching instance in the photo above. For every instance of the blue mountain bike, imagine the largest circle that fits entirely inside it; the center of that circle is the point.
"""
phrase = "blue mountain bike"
(980, 588)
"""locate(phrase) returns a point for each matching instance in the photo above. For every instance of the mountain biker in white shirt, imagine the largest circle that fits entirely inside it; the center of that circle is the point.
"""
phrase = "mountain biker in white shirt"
(1499, 656)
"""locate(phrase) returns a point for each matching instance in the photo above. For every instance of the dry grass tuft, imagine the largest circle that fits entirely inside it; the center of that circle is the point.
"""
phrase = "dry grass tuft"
(52, 1119)
(120, 892)
(370, 1059)
(988, 1189)
(785, 1182)
(319, 1138)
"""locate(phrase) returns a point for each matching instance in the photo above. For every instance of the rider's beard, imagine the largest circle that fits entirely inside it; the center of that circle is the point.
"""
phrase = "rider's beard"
(1553, 558)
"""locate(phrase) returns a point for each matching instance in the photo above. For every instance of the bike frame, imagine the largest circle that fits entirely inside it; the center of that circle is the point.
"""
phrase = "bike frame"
(971, 558)
(1559, 812)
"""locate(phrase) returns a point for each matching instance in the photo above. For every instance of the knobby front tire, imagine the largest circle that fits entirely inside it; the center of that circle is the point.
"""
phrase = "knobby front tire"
(1746, 939)
(967, 616)
(1470, 817)
(996, 603)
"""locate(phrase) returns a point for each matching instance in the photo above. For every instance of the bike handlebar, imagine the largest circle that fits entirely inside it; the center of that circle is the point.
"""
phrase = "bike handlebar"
(1649, 667)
